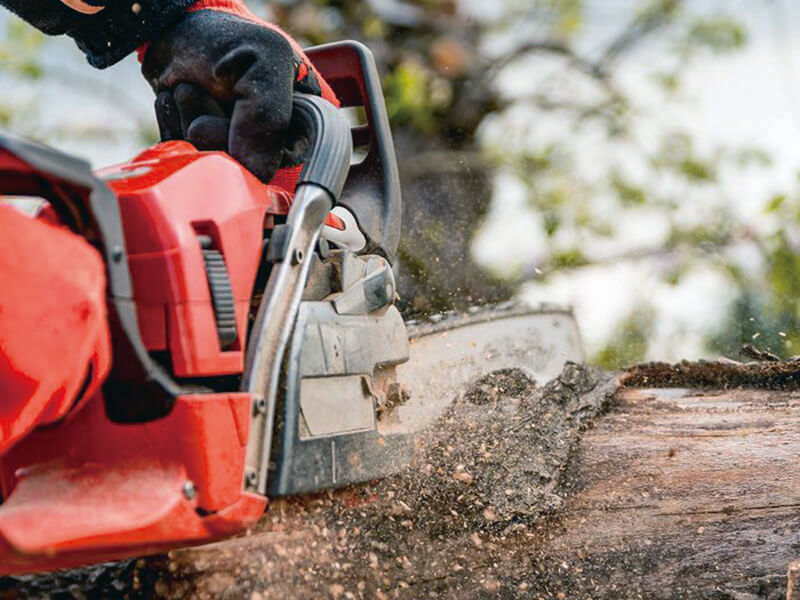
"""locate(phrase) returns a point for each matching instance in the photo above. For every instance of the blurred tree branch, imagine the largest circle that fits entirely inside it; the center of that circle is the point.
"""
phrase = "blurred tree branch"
(455, 128)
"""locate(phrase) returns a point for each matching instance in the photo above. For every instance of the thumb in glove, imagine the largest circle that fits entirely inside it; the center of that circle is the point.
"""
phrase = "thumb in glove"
(226, 83)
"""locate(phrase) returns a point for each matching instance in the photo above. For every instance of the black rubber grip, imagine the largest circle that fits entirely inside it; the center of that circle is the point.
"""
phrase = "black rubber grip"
(330, 143)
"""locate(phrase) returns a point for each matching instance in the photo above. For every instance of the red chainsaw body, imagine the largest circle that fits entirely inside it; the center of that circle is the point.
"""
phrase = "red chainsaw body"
(85, 488)
(133, 489)
(169, 195)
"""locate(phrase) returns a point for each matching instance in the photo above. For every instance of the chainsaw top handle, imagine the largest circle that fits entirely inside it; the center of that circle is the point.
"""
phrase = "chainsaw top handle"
(372, 190)
(327, 160)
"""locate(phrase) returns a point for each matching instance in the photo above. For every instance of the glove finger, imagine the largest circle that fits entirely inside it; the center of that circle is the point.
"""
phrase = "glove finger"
(252, 144)
(168, 117)
(236, 63)
(194, 102)
(297, 143)
(209, 133)
(262, 79)
(261, 117)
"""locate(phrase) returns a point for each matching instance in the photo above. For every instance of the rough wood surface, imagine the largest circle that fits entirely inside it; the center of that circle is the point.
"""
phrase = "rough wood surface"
(525, 493)
(684, 495)
(793, 581)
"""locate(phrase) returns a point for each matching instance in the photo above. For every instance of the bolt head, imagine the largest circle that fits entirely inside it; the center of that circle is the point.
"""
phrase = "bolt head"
(260, 406)
(251, 478)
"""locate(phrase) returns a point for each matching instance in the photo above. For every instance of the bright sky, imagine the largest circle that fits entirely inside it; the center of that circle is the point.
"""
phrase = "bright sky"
(750, 98)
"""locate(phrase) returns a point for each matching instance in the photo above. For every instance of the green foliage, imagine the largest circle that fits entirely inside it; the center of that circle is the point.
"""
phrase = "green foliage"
(148, 134)
(752, 321)
(629, 194)
(629, 343)
(665, 9)
(718, 34)
(19, 50)
(767, 314)
(677, 154)
(6, 114)
(775, 203)
(441, 87)
(567, 15)
(552, 222)
(570, 259)
(20, 59)
(669, 82)
(783, 273)
(712, 236)
(414, 97)
(697, 171)
(784, 207)
(442, 108)
(752, 157)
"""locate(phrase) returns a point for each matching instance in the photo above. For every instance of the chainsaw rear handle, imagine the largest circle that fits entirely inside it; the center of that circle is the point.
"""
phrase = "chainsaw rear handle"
(330, 143)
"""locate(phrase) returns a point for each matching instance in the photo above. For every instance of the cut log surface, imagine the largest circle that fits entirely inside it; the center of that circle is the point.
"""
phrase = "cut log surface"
(680, 494)
(578, 490)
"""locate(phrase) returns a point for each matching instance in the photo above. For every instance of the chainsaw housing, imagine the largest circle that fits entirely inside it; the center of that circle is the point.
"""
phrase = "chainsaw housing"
(253, 358)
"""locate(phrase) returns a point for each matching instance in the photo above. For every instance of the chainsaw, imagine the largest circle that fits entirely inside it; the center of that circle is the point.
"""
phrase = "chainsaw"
(256, 353)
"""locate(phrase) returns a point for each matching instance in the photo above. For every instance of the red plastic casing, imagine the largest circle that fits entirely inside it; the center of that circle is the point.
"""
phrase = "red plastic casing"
(89, 490)
(168, 196)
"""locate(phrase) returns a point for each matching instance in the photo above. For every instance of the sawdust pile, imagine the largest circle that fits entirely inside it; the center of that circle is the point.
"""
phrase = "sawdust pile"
(721, 374)
(488, 472)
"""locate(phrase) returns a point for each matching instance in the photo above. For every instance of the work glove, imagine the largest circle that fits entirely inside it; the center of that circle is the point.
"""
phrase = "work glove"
(225, 83)
(105, 30)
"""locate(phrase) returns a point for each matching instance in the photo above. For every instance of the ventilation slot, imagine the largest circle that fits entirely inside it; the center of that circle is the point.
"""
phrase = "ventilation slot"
(219, 283)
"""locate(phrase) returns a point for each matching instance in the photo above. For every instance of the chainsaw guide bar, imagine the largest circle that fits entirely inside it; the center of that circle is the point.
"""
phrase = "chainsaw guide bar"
(358, 389)
(450, 350)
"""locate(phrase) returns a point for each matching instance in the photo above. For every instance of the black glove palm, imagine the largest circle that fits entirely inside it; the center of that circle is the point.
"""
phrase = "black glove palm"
(225, 83)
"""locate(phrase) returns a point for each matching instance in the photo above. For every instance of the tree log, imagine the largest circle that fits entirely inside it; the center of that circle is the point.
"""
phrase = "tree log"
(577, 490)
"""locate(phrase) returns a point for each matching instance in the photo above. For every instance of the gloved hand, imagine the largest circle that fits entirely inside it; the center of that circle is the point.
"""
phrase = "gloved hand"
(225, 83)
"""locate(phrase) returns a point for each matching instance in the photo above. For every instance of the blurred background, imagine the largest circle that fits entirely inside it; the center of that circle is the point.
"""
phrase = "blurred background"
(637, 159)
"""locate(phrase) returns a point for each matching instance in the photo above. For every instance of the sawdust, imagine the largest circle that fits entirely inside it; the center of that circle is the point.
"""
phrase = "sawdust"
(722, 374)
(489, 471)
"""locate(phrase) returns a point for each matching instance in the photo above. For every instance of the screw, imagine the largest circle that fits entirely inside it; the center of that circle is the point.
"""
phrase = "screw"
(117, 253)
(259, 406)
(189, 491)
(251, 478)
(298, 256)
